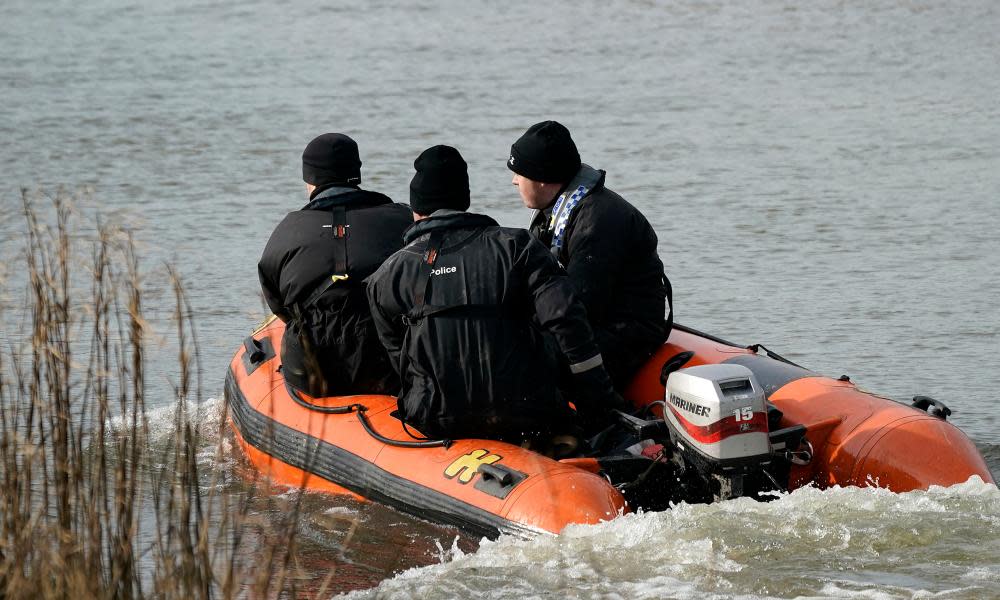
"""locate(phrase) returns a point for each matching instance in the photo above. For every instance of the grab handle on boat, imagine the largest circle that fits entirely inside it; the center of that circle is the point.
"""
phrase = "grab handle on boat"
(501, 475)
(255, 351)
(674, 363)
(498, 480)
(933, 407)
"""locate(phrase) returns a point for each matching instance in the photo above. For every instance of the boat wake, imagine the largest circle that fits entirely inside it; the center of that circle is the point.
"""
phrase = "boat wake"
(835, 543)
(841, 542)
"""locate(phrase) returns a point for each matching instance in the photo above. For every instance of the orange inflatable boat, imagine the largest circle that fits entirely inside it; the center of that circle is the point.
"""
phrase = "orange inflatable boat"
(713, 420)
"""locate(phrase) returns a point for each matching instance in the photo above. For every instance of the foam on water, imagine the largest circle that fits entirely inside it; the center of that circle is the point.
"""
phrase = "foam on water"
(837, 543)
(811, 543)
(214, 451)
(206, 416)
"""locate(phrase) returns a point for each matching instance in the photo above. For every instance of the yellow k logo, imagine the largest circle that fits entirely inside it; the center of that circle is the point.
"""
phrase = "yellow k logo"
(465, 466)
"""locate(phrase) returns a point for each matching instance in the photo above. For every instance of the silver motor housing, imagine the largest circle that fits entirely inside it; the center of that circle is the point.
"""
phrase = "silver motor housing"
(717, 418)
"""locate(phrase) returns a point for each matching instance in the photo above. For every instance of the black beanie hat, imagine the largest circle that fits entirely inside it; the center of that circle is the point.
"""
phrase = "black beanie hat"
(331, 158)
(545, 153)
(441, 181)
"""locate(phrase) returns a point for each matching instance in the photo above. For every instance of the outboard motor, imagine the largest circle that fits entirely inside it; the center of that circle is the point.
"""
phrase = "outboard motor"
(717, 419)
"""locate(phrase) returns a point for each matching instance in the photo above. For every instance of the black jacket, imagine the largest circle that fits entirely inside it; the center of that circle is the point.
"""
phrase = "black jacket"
(471, 355)
(330, 344)
(609, 250)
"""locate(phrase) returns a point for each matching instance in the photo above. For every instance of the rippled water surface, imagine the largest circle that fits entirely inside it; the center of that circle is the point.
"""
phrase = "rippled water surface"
(823, 176)
(833, 543)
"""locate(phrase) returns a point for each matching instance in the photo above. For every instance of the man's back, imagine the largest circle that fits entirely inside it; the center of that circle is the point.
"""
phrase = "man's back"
(605, 243)
(312, 274)
(303, 250)
(610, 252)
(461, 309)
(460, 330)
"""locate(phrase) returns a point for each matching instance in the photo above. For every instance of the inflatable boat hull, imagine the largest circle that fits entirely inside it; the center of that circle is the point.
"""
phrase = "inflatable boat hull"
(856, 438)
(335, 453)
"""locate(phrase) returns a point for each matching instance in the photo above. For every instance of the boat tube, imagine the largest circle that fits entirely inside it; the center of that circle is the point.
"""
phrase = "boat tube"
(713, 420)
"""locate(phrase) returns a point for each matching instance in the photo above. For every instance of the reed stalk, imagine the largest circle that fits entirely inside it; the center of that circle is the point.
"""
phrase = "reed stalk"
(92, 506)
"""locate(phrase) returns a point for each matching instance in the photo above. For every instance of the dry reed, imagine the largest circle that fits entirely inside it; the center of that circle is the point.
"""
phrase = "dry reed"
(91, 506)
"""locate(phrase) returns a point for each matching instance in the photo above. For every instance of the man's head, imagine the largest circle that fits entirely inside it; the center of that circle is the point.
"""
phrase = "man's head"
(441, 181)
(543, 160)
(331, 159)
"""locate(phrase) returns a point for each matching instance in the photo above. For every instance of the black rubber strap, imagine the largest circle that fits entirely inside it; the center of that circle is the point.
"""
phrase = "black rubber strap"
(424, 277)
(340, 240)
(326, 410)
(319, 291)
(339, 264)
(422, 310)
(360, 409)
(755, 348)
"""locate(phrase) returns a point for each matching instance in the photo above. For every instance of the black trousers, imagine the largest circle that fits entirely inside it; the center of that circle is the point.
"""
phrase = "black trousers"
(625, 348)
(357, 367)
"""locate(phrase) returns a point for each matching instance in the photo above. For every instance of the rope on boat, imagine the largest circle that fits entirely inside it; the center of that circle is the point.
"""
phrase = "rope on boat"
(757, 347)
(391, 442)
(361, 409)
(326, 410)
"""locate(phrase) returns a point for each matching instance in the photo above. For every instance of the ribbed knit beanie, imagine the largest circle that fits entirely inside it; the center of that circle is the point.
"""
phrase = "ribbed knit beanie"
(331, 158)
(441, 181)
(545, 153)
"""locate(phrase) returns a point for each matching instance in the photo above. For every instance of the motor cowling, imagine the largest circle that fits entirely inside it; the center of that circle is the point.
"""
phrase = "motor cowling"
(717, 419)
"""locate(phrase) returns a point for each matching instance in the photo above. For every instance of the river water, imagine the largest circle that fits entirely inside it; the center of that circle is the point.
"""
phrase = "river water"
(823, 176)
